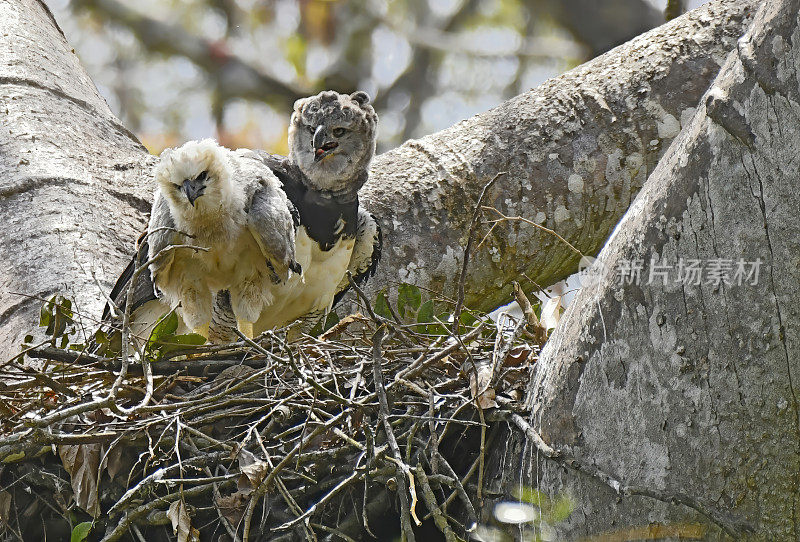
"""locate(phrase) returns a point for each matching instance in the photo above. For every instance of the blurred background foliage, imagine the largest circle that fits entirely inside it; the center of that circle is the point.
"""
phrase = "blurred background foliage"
(174, 70)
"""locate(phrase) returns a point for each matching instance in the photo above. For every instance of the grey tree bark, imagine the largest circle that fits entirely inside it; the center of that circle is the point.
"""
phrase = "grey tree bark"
(684, 393)
(576, 151)
(75, 183)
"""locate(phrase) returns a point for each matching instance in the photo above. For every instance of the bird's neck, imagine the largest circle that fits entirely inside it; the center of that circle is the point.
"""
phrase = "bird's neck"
(348, 194)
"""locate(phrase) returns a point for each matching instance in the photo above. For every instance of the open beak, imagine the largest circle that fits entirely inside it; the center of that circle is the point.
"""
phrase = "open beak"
(322, 147)
(194, 188)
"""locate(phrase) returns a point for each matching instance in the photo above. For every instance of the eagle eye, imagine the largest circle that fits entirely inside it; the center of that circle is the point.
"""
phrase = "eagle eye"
(338, 132)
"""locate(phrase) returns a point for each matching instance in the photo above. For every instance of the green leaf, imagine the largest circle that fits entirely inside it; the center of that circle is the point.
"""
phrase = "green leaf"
(409, 299)
(51, 316)
(81, 531)
(64, 341)
(166, 326)
(65, 307)
(425, 313)
(100, 337)
(58, 325)
(324, 325)
(468, 319)
(188, 339)
(561, 509)
(381, 307)
(172, 343)
(425, 316)
(44, 316)
(440, 329)
(11, 458)
(56, 315)
(316, 331)
(331, 320)
(179, 341)
(114, 344)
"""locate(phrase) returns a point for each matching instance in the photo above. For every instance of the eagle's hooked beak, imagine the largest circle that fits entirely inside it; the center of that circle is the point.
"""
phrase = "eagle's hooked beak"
(194, 188)
(322, 148)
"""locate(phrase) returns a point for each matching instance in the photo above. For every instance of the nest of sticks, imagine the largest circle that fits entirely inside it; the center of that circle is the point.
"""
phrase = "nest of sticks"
(377, 427)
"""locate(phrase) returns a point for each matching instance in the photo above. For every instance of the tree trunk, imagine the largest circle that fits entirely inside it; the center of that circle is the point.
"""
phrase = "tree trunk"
(77, 183)
(687, 392)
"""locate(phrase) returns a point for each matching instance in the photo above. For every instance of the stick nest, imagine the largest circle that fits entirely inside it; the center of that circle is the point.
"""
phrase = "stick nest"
(267, 439)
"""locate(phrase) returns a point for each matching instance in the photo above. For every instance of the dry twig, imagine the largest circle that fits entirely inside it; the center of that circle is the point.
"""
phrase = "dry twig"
(462, 276)
(311, 428)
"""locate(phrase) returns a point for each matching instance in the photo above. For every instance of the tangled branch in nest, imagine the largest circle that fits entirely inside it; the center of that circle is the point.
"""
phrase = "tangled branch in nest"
(263, 439)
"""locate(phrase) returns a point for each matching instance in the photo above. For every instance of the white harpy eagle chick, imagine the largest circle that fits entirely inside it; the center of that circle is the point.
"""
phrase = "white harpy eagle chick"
(231, 204)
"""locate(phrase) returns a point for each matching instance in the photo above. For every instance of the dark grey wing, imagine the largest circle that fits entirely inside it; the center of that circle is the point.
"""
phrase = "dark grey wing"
(161, 233)
(366, 253)
(143, 290)
(273, 224)
(271, 217)
(150, 242)
(286, 172)
(288, 175)
(278, 164)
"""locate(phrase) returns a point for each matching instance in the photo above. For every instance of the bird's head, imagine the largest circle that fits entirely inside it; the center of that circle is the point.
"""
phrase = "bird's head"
(332, 139)
(195, 178)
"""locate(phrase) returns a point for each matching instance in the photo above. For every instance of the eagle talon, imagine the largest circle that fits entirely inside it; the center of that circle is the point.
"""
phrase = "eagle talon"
(273, 275)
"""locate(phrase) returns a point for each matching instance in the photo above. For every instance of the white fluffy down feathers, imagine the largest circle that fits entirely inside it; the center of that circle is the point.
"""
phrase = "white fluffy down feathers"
(232, 207)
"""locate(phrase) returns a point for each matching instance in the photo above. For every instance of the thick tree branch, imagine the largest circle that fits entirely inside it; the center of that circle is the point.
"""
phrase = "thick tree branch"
(576, 150)
(75, 183)
(730, 525)
(690, 386)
